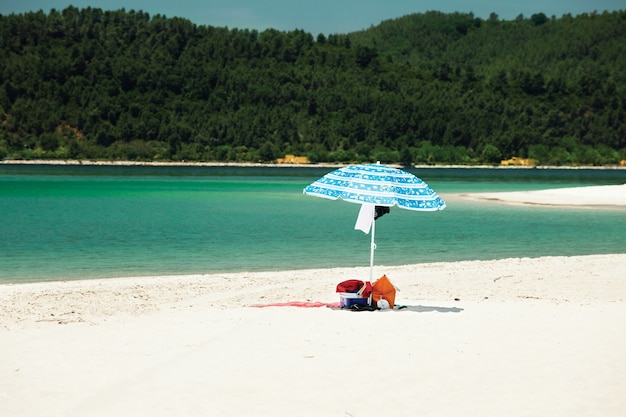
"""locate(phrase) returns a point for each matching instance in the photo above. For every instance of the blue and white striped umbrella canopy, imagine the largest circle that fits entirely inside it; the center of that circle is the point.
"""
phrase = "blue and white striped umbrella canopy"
(379, 185)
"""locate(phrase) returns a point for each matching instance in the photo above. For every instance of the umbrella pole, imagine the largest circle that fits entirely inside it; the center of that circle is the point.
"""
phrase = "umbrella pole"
(372, 247)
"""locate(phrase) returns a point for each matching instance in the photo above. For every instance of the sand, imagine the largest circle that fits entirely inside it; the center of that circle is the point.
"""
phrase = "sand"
(511, 337)
(607, 196)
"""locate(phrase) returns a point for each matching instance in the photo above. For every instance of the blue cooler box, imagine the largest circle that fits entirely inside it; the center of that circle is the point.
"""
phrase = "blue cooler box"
(347, 299)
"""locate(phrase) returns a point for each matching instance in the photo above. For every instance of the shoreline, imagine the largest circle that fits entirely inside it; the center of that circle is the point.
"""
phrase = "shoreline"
(73, 162)
(514, 337)
(84, 293)
(592, 197)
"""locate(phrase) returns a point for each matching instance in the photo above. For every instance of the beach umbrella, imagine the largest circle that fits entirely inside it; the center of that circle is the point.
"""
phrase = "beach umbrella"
(376, 188)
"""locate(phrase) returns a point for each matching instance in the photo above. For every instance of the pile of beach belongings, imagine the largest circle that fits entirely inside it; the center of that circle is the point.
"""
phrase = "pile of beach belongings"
(359, 295)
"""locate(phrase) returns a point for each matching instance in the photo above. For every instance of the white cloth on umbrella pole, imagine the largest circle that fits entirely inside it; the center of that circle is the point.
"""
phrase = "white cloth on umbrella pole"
(364, 223)
(366, 218)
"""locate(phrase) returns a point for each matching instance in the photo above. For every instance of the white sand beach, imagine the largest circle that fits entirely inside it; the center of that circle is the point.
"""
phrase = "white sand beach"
(511, 337)
(612, 196)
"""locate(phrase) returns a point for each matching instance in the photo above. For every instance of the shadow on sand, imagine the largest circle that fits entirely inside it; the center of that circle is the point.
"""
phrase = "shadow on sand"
(400, 308)
(428, 309)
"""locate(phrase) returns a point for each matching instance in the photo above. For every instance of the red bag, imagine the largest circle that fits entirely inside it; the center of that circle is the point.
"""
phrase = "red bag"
(351, 285)
(355, 285)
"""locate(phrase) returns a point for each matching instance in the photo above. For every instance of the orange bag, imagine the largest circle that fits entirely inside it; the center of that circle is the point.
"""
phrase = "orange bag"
(383, 288)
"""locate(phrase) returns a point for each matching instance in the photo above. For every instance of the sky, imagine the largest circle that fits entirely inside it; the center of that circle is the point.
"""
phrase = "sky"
(318, 16)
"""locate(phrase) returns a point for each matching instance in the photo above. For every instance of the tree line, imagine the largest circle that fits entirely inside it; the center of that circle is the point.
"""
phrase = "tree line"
(429, 88)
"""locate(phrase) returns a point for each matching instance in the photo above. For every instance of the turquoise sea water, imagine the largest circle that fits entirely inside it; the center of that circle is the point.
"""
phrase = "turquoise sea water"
(83, 222)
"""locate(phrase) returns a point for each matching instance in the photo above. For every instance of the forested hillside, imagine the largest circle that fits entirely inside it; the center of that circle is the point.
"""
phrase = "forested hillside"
(423, 88)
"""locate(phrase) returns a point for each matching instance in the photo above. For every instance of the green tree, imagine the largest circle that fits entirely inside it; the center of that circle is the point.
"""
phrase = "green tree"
(491, 154)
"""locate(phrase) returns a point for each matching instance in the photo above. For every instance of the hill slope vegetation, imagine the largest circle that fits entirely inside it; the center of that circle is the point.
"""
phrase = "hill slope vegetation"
(423, 88)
